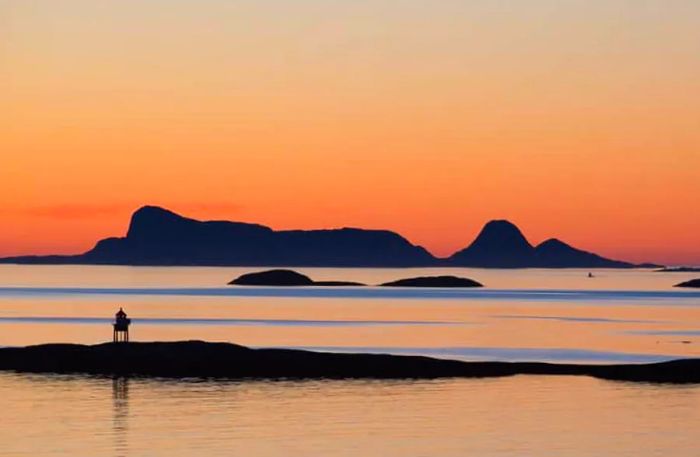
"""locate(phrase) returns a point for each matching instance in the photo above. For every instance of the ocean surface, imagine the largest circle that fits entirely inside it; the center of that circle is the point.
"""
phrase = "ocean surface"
(630, 316)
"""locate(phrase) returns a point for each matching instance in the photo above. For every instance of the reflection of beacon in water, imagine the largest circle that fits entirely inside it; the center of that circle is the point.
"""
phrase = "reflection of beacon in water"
(121, 327)
(120, 395)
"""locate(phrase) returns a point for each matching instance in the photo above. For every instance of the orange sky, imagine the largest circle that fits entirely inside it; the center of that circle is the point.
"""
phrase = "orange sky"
(572, 118)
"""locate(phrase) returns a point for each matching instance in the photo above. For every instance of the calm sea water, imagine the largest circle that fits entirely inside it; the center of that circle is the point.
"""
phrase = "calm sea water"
(546, 315)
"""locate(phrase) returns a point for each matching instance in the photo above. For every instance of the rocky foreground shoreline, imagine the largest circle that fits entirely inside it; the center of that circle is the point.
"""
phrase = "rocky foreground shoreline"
(201, 359)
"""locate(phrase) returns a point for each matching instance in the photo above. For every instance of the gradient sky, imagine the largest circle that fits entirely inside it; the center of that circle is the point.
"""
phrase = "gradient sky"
(572, 118)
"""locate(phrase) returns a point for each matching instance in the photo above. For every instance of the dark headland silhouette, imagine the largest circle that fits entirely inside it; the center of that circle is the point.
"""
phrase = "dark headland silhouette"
(157, 236)
(694, 283)
(224, 360)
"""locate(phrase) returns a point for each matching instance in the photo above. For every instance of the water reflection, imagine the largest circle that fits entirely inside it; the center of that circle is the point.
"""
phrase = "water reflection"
(120, 420)
(67, 416)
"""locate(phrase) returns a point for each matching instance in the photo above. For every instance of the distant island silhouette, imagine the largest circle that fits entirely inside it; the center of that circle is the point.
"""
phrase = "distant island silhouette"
(289, 278)
(693, 283)
(224, 360)
(502, 245)
(159, 237)
(284, 278)
(678, 270)
(433, 281)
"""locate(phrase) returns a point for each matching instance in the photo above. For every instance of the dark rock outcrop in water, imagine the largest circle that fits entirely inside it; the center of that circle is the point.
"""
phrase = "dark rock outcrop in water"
(678, 270)
(157, 236)
(223, 360)
(501, 244)
(273, 278)
(433, 281)
(693, 283)
(284, 278)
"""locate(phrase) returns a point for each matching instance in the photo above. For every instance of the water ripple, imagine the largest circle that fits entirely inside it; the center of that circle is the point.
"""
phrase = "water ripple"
(218, 321)
(508, 354)
(682, 297)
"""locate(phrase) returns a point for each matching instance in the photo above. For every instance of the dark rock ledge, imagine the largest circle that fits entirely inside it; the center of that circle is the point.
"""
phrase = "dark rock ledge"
(284, 278)
(223, 360)
(434, 281)
(693, 283)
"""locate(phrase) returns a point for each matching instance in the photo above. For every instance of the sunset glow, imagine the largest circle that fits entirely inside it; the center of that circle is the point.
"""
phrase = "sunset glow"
(426, 118)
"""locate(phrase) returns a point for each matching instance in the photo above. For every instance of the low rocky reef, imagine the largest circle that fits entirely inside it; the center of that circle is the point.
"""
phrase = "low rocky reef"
(678, 270)
(199, 359)
(293, 278)
(434, 281)
(693, 283)
(284, 278)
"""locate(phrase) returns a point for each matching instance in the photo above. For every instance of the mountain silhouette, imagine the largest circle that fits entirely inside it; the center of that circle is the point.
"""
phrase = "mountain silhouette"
(501, 244)
(554, 253)
(157, 236)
